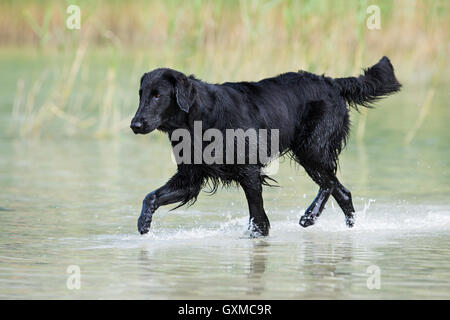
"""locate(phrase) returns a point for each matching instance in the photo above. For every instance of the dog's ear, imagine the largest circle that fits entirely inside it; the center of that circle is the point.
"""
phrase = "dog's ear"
(184, 91)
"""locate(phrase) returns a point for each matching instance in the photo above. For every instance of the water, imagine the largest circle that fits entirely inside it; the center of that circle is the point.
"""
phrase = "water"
(66, 202)
(76, 202)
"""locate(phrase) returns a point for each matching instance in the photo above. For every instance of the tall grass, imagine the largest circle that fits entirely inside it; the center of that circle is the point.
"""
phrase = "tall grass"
(217, 40)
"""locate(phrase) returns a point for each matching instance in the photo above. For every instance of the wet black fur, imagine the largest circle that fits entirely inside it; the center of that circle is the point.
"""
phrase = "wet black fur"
(310, 112)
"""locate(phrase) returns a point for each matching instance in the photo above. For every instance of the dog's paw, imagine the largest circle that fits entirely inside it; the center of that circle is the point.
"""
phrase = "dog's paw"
(144, 224)
(257, 234)
(149, 206)
(306, 221)
(252, 234)
(350, 221)
(258, 231)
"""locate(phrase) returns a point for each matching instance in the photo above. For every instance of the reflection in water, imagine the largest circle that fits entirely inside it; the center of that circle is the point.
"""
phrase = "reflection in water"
(258, 259)
(322, 262)
(169, 271)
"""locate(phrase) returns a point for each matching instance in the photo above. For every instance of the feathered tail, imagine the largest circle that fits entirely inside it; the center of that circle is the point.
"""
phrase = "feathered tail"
(377, 82)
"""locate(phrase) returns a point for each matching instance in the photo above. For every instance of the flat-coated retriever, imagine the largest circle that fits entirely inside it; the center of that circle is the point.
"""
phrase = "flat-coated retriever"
(309, 111)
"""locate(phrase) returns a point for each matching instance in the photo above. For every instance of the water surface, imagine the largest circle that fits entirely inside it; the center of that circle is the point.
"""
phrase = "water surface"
(75, 201)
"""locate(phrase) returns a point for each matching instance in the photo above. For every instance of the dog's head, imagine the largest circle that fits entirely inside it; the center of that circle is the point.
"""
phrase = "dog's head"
(163, 93)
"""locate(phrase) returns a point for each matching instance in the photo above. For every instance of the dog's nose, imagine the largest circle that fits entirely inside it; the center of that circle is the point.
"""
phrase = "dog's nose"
(136, 126)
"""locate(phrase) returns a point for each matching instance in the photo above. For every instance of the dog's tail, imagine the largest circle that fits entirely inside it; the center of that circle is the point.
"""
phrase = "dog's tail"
(377, 82)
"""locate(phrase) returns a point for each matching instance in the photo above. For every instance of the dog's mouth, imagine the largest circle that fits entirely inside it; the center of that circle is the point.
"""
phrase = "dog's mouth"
(142, 131)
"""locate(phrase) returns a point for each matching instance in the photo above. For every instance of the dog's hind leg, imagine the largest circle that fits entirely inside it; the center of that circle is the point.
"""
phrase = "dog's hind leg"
(344, 199)
(316, 207)
(329, 184)
(259, 224)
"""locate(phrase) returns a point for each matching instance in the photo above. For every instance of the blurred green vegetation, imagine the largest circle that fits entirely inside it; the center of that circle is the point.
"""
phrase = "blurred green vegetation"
(85, 82)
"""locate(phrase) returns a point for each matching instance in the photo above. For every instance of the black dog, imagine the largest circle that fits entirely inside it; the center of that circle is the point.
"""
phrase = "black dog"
(309, 111)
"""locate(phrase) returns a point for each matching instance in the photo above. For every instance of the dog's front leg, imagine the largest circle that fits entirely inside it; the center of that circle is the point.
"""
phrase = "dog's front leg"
(178, 189)
(259, 222)
(149, 206)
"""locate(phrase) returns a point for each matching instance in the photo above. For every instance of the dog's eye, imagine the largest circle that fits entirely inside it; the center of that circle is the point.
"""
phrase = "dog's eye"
(157, 95)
